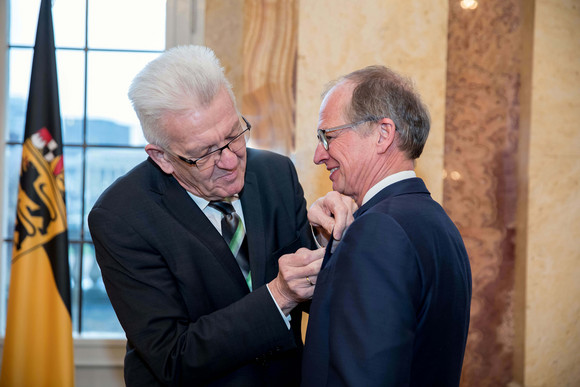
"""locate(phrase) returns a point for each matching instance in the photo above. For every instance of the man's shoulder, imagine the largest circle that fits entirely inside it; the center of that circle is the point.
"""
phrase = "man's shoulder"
(259, 156)
(129, 185)
(400, 207)
(374, 221)
(261, 161)
(415, 213)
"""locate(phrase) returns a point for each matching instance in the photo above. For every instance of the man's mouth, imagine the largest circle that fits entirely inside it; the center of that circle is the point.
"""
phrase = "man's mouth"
(332, 171)
(229, 175)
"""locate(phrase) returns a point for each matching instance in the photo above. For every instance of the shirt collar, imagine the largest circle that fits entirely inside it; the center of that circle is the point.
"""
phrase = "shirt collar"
(391, 179)
(202, 203)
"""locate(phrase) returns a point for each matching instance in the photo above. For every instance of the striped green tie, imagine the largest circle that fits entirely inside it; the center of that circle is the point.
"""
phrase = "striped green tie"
(235, 236)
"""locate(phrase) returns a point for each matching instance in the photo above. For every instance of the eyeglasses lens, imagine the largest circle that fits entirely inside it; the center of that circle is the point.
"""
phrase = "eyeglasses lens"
(235, 146)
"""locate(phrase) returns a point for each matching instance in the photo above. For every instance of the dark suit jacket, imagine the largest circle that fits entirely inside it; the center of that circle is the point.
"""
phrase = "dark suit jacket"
(177, 290)
(391, 305)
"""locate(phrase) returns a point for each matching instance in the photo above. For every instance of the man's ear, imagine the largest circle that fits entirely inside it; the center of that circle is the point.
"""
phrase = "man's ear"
(387, 131)
(158, 155)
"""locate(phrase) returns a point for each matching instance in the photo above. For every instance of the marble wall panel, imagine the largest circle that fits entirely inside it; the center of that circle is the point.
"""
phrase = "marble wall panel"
(224, 33)
(551, 215)
(480, 192)
(269, 62)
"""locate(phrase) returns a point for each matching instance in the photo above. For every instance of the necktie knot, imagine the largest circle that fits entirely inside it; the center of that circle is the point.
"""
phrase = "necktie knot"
(225, 208)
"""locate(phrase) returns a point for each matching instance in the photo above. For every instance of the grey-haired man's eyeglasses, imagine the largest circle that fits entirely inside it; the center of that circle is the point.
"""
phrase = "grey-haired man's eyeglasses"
(321, 133)
(209, 159)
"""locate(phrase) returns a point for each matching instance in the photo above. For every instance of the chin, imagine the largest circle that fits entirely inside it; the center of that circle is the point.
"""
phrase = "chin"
(227, 185)
(234, 188)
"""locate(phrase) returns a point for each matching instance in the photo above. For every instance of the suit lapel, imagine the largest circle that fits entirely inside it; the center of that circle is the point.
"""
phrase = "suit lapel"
(252, 207)
(177, 201)
(327, 253)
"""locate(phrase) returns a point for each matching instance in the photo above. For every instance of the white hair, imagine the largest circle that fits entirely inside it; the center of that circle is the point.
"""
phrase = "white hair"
(182, 79)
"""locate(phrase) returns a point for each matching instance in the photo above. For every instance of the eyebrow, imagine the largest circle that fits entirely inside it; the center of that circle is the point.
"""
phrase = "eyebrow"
(235, 126)
(207, 149)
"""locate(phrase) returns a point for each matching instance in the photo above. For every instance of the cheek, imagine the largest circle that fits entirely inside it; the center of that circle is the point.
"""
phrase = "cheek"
(340, 155)
(191, 176)
(350, 163)
(192, 180)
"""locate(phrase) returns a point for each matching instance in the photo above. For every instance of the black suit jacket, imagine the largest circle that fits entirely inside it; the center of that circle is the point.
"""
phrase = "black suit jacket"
(187, 313)
(391, 305)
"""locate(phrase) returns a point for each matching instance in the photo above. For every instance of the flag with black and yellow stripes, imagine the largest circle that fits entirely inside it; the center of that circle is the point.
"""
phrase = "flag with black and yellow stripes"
(38, 347)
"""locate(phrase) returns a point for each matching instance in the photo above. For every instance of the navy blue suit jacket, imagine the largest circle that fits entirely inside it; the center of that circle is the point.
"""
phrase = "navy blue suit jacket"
(177, 289)
(391, 305)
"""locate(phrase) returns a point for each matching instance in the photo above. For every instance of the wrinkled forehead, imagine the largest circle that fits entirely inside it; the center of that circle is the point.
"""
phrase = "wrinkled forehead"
(220, 115)
(335, 104)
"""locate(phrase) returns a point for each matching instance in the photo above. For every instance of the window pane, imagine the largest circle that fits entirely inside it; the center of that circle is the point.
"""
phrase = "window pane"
(98, 314)
(131, 25)
(71, 85)
(70, 68)
(111, 118)
(73, 180)
(68, 18)
(18, 85)
(23, 19)
(68, 22)
(12, 161)
(103, 167)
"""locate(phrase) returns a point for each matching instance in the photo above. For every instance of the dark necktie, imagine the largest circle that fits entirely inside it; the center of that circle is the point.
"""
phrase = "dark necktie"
(235, 236)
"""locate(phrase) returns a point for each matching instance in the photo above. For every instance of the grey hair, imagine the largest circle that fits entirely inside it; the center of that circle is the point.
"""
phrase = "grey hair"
(380, 92)
(182, 79)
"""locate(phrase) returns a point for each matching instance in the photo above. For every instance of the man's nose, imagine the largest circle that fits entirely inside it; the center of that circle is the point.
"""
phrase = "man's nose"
(320, 154)
(228, 159)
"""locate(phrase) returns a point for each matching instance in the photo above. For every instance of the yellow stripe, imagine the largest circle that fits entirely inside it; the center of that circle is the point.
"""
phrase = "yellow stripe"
(38, 349)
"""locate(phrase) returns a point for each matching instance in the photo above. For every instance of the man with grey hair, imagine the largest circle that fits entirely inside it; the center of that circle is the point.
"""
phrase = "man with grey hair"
(391, 304)
(202, 247)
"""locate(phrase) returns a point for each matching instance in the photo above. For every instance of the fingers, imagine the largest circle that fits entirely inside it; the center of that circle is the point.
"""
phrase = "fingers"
(305, 257)
(291, 286)
(343, 216)
(305, 263)
(333, 213)
(320, 215)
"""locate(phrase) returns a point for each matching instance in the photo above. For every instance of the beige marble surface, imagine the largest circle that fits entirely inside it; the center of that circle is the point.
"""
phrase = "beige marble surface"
(552, 313)
(269, 63)
(224, 33)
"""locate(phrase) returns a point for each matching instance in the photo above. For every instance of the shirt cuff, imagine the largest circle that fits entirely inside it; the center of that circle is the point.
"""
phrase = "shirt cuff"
(286, 318)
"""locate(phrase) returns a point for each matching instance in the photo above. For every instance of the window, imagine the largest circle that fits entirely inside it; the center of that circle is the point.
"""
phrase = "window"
(101, 45)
